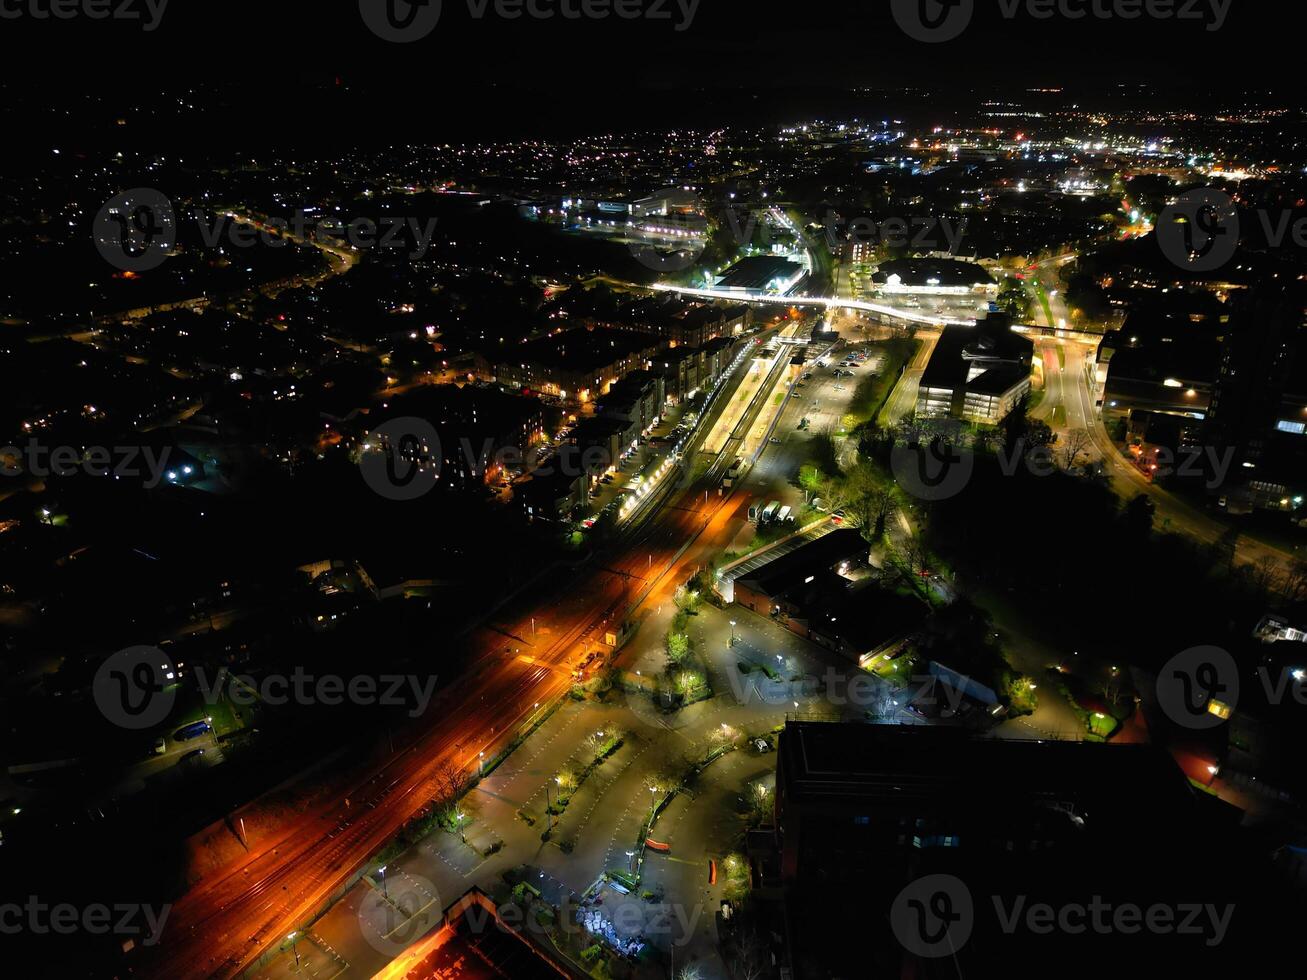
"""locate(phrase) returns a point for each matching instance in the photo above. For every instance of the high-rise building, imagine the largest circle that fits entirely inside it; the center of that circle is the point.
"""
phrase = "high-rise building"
(1259, 405)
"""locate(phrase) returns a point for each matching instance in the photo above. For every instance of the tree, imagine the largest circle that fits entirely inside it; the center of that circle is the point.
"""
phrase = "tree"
(1265, 573)
(1138, 516)
(1077, 441)
(1226, 548)
(914, 555)
(1013, 299)
(1022, 434)
(752, 958)
(566, 780)
(678, 647)
(451, 782)
(1294, 584)
(882, 505)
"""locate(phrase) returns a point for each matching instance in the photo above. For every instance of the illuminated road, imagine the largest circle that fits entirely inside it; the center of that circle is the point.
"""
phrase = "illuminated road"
(1069, 388)
(827, 302)
(226, 921)
(903, 399)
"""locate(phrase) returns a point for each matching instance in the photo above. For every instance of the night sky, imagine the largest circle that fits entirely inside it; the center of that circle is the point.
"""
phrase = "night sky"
(735, 62)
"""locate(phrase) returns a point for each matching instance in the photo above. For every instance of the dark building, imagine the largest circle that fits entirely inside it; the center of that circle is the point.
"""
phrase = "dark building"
(577, 365)
(637, 398)
(861, 811)
(676, 321)
(769, 584)
(483, 431)
(687, 370)
(1164, 360)
(1259, 405)
(551, 496)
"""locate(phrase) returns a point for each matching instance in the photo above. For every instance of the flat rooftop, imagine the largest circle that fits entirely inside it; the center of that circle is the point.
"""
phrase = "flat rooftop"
(578, 350)
(757, 271)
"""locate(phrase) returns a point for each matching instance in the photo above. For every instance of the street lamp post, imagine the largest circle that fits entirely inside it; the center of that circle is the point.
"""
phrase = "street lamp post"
(382, 871)
(294, 949)
(732, 643)
(461, 835)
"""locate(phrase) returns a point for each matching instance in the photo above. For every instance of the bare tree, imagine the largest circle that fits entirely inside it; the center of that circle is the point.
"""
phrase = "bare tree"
(451, 781)
(1077, 442)
(914, 555)
(1265, 573)
(1294, 584)
(751, 959)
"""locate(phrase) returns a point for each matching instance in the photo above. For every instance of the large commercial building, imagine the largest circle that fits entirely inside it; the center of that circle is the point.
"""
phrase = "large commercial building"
(933, 277)
(762, 275)
(976, 373)
(863, 812)
(1259, 405)
(1161, 361)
